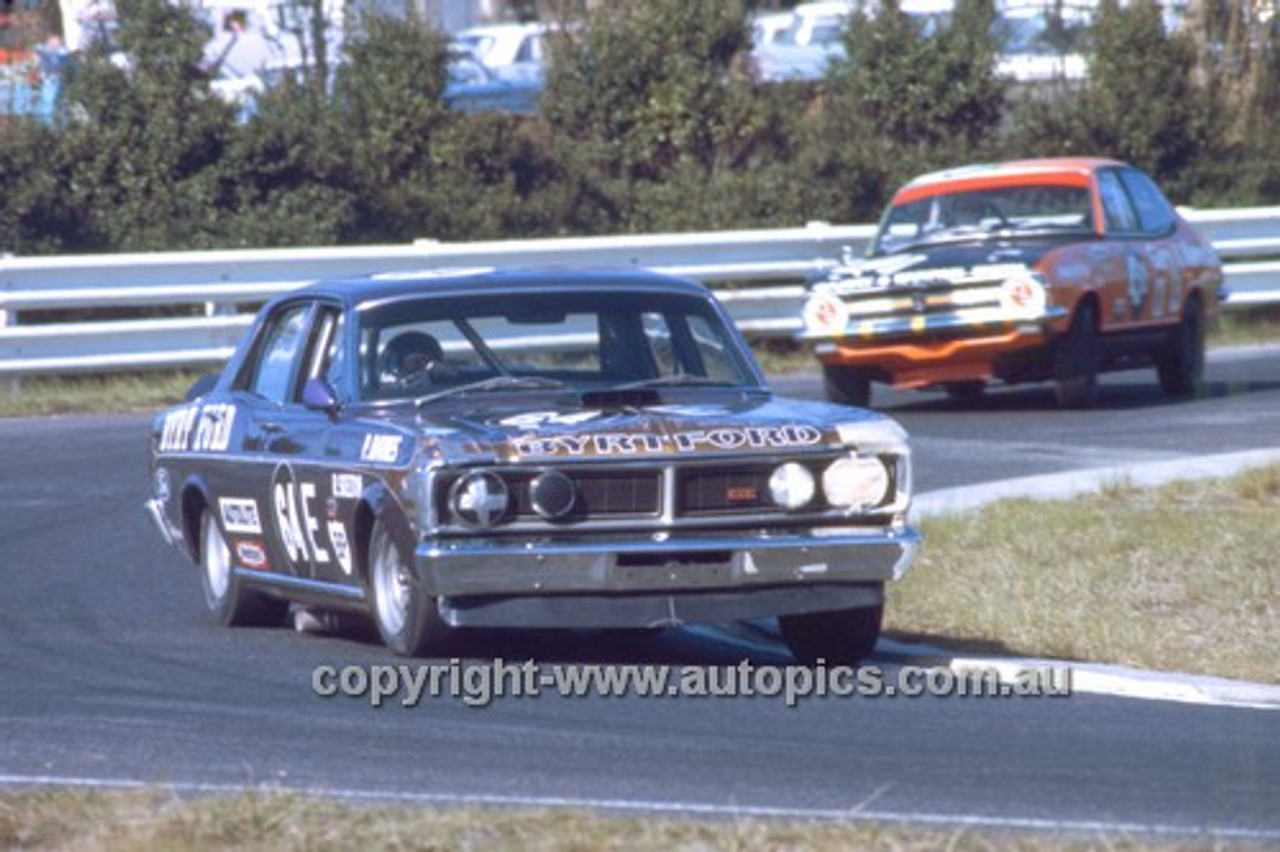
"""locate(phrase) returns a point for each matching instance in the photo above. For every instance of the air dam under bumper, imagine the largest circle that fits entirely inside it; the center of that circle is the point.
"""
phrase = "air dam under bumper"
(649, 580)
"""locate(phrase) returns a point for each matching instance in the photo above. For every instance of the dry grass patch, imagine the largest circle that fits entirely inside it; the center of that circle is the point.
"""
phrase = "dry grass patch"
(45, 395)
(155, 821)
(1178, 578)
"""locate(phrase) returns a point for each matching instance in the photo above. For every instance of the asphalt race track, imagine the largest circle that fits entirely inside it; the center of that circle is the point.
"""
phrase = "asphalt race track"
(113, 675)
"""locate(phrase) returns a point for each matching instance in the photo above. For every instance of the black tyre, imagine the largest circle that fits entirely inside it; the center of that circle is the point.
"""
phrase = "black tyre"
(231, 604)
(971, 391)
(846, 385)
(843, 636)
(1075, 362)
(404, 613)
(1180, 364)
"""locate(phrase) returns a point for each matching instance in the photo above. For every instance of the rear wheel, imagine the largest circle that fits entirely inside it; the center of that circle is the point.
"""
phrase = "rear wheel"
(225, 594)
(842, 636)
(1075, 362)
(1180, 364)
(846, 385)
(405, 614)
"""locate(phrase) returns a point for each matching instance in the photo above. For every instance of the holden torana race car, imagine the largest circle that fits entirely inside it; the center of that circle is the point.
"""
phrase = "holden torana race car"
(502, 449)
(1034, 270)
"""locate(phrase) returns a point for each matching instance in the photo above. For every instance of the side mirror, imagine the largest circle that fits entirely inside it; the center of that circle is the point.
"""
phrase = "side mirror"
(319, 395)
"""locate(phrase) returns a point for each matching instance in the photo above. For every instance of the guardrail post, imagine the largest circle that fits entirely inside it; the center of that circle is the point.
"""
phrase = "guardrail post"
(15, 382)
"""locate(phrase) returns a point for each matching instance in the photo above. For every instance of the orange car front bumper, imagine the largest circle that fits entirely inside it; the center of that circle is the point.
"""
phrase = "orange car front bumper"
(914, 363)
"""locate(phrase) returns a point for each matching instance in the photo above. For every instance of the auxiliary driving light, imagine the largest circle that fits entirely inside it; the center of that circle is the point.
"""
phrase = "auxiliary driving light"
(791, 486)
(856, 482)
(479, 499)
(553, 494)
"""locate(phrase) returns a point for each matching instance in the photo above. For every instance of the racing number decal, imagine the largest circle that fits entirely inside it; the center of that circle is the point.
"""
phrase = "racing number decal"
(307, 525)
(1139, 283)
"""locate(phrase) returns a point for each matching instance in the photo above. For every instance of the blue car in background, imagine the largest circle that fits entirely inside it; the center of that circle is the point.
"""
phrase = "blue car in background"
(474, 87)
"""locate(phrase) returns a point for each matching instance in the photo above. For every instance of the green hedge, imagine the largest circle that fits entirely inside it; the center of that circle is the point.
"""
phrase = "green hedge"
(651, 121)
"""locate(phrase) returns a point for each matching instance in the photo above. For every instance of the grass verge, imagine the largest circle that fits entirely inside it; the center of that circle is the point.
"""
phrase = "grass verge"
(143, 821)
(45, 395)
(1180, 578)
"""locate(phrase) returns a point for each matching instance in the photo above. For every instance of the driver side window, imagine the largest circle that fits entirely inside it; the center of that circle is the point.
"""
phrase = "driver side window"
(273, 377)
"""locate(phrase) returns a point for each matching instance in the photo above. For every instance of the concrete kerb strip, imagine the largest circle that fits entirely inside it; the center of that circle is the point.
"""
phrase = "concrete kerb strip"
(1064, 486)
(1095, 678)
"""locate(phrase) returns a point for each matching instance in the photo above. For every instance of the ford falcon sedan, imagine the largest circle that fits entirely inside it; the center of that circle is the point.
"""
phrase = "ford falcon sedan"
(1035, 270)
(528, 449)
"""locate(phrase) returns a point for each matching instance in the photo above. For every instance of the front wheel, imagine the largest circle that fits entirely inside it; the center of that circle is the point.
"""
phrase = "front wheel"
(231, 604)
(842, 636)
(1075, 362)
(1180, 365)
(846, 385)
(405, 614)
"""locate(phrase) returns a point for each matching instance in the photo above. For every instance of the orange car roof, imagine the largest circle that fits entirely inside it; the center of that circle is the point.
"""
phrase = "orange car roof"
(1063, 171)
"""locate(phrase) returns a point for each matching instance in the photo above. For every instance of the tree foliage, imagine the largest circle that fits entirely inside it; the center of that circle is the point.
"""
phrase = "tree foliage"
(650, 121)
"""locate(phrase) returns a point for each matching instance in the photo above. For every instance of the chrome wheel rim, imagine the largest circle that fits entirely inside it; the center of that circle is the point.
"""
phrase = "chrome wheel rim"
(217, 559)
(391, 588)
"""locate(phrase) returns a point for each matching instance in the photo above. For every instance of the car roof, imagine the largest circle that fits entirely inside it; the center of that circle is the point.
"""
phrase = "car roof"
(487, 281)
(1041, 165)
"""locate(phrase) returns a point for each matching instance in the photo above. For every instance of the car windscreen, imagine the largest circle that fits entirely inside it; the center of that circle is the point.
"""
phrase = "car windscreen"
(411, 348)
(1028, 209)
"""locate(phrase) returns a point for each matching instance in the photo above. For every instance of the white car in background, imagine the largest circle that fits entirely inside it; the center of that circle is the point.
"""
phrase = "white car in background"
(1041, 41)
(800, 44)
(512, 51)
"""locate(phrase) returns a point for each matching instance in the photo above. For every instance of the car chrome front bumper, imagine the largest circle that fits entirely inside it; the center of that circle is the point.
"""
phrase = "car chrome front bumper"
(656, 568)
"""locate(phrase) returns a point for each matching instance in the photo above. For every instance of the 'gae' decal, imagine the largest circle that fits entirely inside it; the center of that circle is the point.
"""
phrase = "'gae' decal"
(695, 440)
(198, 429)
(304, 539)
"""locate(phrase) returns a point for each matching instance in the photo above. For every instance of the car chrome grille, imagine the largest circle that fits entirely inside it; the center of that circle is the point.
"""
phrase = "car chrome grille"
(640, 496)
(599, 493)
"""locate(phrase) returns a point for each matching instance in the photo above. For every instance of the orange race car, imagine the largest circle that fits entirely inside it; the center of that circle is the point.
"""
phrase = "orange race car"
(1034, 270)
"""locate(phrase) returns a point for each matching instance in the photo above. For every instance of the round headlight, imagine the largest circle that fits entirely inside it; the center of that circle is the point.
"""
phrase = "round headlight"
(855, 483)
(479, 499)
(791, 486)
(553, 494)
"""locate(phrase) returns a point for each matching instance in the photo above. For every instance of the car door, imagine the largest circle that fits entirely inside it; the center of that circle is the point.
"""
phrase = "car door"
(1120, 263)
(1160, 253)
(281, 440)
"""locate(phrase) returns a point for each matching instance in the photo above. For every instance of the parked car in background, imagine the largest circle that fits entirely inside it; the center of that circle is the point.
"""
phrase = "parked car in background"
(474, 87)
(511, 51)
(1041, 41)
(1033, 270)
(800, 44)
(557, 448)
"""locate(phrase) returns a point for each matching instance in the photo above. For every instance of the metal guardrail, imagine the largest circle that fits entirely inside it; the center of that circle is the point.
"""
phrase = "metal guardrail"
(765, 267)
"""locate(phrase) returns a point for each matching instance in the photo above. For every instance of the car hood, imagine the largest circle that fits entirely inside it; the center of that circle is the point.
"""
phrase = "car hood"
(744, 424)
(962, 256)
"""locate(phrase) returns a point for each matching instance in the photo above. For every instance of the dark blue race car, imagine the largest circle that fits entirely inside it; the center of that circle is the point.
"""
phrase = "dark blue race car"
(552, 448)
